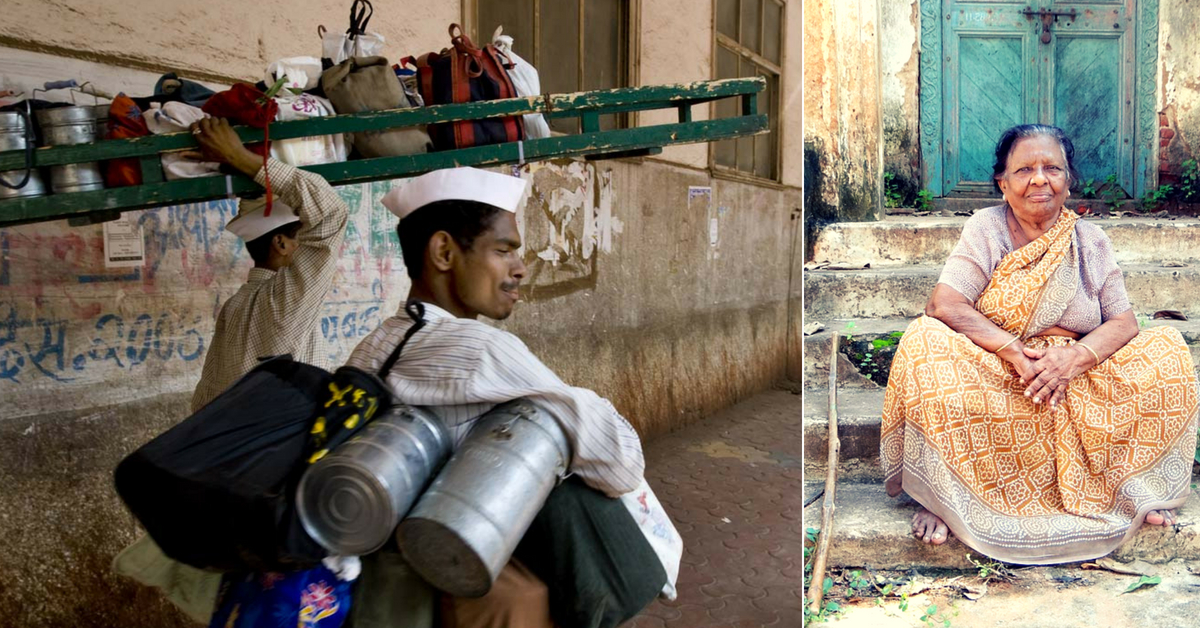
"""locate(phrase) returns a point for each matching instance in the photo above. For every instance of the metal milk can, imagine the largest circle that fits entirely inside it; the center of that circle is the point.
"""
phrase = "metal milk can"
(466, 526)
(16, 133)
(351, 500)
(63, 126)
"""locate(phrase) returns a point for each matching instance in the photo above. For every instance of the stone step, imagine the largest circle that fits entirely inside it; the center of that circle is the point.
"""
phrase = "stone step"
(863, 333)
(903, 291)
(859, 417)
(906, 240)
(873, 530)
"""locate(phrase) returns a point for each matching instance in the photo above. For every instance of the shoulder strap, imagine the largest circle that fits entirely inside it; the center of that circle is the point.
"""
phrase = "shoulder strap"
(416, 311)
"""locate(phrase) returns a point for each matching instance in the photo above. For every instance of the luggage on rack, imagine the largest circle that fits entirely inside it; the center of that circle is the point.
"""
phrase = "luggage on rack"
(461, 74)
(370, 84)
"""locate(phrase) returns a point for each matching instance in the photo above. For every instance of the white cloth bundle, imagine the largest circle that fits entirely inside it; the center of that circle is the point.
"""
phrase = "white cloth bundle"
(659, 532)
(174, 117)
(303, 73)
(525, 79)
(307, 151)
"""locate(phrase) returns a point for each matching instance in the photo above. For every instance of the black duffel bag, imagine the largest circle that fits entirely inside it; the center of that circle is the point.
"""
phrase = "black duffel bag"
(217, 491)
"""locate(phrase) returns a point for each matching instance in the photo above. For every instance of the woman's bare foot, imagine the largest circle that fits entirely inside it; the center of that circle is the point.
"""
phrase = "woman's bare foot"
(929, 527)
(1161, 517)
(893, 486)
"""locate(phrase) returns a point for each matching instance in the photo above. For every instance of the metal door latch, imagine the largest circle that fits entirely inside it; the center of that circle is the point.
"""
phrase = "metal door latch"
(1049, 17)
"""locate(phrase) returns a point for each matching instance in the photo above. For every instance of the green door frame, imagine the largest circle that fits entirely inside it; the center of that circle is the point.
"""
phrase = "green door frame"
(1145, 88)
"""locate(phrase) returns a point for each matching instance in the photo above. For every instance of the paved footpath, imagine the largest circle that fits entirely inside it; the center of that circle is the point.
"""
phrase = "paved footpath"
(731, 483)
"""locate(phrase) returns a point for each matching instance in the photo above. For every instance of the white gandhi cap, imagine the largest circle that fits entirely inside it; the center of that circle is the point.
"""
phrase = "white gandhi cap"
(456, 184)
(250, 223)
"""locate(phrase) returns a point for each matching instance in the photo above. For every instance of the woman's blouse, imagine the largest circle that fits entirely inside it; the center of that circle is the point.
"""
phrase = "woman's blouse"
(986, 240)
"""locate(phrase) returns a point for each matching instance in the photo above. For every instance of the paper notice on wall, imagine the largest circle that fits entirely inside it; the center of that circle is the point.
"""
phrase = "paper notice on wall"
(699, 198)
(124, 244)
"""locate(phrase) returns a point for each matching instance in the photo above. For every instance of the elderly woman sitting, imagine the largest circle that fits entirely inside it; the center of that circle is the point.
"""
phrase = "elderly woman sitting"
(1025, 411)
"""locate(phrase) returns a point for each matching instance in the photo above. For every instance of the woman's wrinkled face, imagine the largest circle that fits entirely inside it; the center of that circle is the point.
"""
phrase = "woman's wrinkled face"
(1035, 182)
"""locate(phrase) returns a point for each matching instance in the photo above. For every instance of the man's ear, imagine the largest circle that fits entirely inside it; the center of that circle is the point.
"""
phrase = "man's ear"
(280, 244)
(441, 251)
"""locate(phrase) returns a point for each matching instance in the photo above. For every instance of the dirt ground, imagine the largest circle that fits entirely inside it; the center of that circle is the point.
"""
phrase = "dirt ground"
(1066, 596)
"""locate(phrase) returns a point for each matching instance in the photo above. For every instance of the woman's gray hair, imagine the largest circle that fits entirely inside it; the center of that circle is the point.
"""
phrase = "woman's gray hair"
(1009, 138)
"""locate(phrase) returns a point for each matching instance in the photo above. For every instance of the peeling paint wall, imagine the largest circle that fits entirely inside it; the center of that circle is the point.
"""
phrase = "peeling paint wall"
(899, 52)
(843, 130)
(1179, 86)
(671, 307)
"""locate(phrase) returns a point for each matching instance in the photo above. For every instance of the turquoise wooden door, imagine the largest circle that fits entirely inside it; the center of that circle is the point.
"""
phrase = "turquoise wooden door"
(1070, 64)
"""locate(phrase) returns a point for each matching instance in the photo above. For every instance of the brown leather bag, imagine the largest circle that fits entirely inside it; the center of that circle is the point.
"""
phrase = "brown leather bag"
(461, 74)
(370, 84)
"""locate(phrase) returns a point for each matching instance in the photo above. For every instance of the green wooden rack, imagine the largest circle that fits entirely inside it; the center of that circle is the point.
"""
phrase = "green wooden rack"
(591, 143)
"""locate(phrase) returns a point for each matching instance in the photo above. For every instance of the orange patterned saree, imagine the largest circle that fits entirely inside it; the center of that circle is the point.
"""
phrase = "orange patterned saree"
(1020, 482)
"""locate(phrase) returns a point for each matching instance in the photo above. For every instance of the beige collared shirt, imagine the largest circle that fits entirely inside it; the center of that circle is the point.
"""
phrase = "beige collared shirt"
(461, 368)
(278, 312)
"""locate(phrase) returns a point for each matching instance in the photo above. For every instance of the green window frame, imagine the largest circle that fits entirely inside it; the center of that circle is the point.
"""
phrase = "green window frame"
(576, 45)
(749, 41)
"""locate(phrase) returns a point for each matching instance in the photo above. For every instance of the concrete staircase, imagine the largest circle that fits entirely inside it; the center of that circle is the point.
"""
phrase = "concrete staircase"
(873, 306)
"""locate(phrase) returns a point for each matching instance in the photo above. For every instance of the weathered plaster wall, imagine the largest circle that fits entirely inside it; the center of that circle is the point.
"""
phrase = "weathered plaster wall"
(1179, 86)
(676, 47)
(843, 128)
(220, 40)
(900, 56)
(670, 305)
(793, 95)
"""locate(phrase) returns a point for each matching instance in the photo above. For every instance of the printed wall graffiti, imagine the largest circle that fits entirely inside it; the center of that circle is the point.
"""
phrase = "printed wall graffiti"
(33, 347)
(69, 323)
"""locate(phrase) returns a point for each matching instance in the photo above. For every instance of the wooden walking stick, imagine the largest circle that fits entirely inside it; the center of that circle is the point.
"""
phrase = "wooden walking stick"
(816, 590)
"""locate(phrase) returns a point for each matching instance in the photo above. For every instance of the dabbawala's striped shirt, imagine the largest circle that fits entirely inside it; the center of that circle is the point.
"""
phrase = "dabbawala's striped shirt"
(278, 312)
(461, 368)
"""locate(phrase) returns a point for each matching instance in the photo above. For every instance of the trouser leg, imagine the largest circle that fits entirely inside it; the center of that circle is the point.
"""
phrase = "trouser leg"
(597, 565)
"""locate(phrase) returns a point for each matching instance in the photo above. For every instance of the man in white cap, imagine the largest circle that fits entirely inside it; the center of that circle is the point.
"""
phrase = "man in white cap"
(294, 245)
(460, 242)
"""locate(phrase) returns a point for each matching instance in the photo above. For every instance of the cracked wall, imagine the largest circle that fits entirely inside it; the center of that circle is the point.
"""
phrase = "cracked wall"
(1179, 87)
(843, 127)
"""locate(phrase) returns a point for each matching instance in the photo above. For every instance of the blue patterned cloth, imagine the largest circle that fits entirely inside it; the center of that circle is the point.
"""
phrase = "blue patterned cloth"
(300, 599)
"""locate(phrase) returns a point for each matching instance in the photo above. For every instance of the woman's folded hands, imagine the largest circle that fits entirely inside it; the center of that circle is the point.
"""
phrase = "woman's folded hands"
(1050, 371)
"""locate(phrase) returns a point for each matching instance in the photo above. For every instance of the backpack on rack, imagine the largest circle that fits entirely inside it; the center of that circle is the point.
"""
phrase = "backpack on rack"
(461, 74)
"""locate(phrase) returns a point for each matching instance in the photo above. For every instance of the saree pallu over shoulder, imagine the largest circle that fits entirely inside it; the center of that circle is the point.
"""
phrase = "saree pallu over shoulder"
(1033, 285)
(1020, 482)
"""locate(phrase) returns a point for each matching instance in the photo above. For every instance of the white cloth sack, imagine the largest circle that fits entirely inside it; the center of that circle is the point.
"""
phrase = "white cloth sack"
(525, 79)
(307, 151)
(658, 530)
(303, 72)
(339, 46)
(174, 117)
